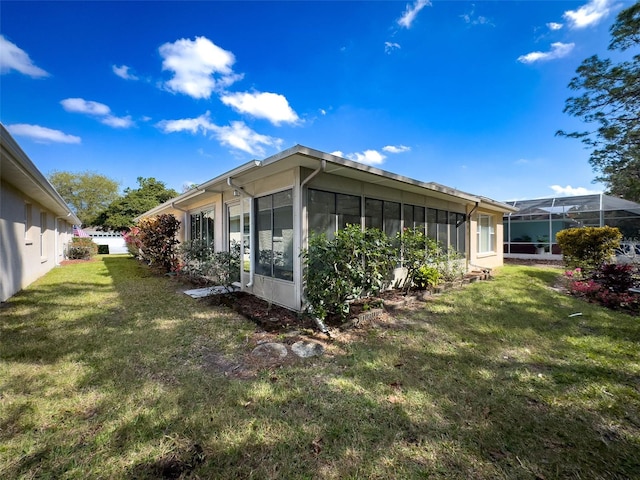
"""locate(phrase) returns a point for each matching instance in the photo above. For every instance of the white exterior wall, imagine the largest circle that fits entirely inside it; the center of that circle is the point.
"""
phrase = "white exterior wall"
(27, 255)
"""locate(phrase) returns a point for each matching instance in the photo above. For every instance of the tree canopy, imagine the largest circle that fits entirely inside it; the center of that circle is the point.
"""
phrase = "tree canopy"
(86, 193)
(610, 101)
(119, 214)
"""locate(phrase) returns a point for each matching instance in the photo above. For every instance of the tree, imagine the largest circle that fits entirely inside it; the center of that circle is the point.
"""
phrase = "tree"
(611, 101)
(86, 193)
(119, 214)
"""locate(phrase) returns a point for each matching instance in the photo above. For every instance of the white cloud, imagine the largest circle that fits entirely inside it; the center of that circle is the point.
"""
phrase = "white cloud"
(396, 148)
(193, 125)
(117, 122)
(271, 106)
(323, 111)
(558, 50)
(554, 26)
(123, 72)
(390, 47)
(472, 19)
(569, 190)
(522, 161)
(88, 107)
(338, 153)
(13, 57)
(199, 67)
(96, 109)
(369, 157)
(241, 137)
(589, 14)
(41, 134)
(411, 11)
(236, 135)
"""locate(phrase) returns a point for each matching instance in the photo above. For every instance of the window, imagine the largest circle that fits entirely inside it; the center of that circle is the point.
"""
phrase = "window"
(240, 233)
(486, 234)
(274, 232)
(328, 212)
(202, 226)
(43, 231)
(414, 217)
(382, 215)
(28, 222)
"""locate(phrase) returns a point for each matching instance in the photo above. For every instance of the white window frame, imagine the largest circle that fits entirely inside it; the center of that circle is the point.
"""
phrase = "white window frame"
(486, 227)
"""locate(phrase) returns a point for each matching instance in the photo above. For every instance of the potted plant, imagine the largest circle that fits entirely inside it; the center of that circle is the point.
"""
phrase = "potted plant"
(543, 244)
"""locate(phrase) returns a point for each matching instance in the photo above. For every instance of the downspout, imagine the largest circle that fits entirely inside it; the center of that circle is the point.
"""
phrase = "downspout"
(323, 166)
(251, 223)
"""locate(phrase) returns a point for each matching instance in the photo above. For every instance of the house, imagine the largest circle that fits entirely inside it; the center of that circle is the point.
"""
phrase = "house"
(532, 229)
(35, 222)
(271, 206)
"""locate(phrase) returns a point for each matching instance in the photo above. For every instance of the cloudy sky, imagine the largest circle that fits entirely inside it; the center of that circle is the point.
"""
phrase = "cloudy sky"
(466, 94)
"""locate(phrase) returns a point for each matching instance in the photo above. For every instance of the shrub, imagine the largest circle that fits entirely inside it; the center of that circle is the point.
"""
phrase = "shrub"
(615, 278)
(200, 263)
(418, 250)
(426, 277)
(355, 263)
(158, 241)
(450, 264)
(608, 285)
(132, 240)
(588, 247)
(81, 248)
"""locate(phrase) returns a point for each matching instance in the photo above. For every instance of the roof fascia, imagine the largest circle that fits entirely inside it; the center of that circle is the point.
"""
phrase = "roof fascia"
(19, 158)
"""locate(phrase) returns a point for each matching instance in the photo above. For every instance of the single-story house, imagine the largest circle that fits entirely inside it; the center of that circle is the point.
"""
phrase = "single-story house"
(35, 222)
(271, 206)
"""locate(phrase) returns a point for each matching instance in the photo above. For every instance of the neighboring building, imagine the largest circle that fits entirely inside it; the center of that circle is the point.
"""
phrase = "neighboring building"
(533, 228)
(35, 222)
(114, 241)
(270, 207)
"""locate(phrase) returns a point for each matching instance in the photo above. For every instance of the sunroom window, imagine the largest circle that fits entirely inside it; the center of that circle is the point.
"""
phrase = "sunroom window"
(274, 231)
(202, 226)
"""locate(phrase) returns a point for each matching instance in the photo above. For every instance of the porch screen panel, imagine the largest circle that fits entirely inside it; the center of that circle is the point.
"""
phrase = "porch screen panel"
(373, 213)
(274, 231)
(207, 226)
(443, 227)
(432, 223)
(461, 232)
(347, 210)
(321, 212)
(391, 218)
(283, 235)
(195, 226)
(264, 258)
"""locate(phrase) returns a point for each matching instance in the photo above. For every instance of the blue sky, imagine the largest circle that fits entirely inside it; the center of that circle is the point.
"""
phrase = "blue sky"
(466, 94)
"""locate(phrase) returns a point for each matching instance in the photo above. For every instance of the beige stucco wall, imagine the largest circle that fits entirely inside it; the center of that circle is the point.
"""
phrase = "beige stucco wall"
(21, 259)
(492, 259)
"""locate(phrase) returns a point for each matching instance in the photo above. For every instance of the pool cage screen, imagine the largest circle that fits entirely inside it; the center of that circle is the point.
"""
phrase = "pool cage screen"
(533, 229)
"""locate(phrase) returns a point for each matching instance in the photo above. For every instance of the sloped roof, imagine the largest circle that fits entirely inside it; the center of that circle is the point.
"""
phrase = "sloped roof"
(300, 155)
(18, 170)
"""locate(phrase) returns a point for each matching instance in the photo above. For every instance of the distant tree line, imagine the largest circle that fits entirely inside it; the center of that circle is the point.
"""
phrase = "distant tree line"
(95, 199)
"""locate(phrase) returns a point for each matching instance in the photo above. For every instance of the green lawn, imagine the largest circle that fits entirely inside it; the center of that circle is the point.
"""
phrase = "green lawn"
(107, 371)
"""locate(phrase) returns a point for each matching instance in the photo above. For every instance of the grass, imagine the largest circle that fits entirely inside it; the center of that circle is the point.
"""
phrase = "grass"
(109, 372)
